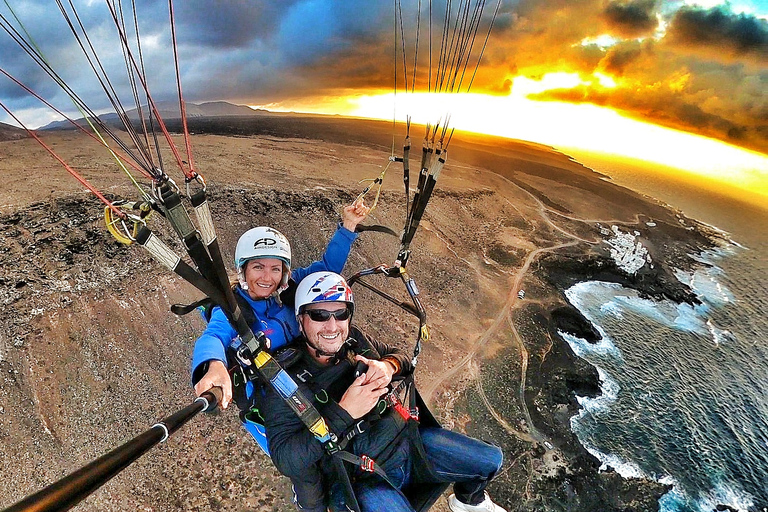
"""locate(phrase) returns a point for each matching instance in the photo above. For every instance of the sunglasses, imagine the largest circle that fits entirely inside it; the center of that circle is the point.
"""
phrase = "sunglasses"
(323, 315)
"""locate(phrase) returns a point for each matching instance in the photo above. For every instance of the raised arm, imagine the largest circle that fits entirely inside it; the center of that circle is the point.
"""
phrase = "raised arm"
(336, 253)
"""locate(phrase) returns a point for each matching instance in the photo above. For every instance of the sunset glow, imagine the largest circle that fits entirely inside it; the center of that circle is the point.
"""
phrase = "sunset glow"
(562, 125)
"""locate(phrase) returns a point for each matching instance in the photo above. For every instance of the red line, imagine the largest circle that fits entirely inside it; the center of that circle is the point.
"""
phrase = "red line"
(69, 169)
(182, 105)
(82, 129)
(174, 150)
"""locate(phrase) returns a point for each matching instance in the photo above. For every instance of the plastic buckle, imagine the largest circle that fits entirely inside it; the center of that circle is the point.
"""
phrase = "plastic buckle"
(367, 464)
(331, 446)
(399, 407)
(355, 430)
(244, 355)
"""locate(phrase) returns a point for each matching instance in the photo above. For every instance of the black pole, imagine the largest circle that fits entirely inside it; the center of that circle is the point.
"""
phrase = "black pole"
(70, 490)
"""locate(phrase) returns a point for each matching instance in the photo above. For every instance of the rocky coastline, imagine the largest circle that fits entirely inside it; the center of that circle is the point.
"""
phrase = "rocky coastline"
(564, 375)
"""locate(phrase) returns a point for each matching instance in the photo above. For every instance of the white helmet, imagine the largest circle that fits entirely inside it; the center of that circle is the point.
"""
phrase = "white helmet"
(323, 287)
(263, 242)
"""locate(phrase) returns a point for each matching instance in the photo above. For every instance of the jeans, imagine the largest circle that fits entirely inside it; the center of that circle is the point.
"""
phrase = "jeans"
(469, 463)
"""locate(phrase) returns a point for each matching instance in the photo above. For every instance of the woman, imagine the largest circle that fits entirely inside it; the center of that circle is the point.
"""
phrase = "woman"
(263, 262)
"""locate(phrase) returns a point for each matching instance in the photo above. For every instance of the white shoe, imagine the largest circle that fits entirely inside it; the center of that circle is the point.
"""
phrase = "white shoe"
(484, 506)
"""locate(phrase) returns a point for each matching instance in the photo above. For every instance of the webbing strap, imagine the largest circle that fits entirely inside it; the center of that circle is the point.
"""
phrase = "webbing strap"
(208, 233)
(177, 216)
(365, 463)
(286, 387)
(349, 492)
(166, 257)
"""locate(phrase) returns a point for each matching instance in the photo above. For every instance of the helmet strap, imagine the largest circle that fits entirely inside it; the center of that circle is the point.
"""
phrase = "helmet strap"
(241, 278)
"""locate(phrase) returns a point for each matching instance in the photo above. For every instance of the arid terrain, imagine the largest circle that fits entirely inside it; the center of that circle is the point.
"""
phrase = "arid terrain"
(91, 356)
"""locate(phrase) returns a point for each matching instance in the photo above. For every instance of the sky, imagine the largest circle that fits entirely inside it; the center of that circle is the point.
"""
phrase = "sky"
(678, 82)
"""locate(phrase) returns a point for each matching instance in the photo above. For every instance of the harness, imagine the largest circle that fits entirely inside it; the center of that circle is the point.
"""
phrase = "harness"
(347, 466)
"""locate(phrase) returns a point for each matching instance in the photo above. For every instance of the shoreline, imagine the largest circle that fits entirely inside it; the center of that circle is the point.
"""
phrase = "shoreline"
(582, 340)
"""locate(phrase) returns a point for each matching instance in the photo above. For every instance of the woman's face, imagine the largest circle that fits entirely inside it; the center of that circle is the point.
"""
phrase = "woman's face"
(263, 276)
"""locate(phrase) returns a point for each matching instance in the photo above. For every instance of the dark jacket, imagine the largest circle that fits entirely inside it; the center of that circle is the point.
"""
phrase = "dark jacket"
(295, 451)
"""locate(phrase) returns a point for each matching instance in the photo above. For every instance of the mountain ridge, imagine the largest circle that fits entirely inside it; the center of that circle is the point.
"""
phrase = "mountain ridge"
(168, 110)
(9, 132)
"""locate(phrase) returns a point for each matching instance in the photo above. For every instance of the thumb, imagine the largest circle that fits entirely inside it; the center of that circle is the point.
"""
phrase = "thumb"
(226, 399)
(358, 357)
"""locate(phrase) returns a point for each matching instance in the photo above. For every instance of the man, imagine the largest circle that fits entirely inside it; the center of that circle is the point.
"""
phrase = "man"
(323, 361)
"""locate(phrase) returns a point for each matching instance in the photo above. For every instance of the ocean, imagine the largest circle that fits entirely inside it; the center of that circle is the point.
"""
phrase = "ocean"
(685, 389)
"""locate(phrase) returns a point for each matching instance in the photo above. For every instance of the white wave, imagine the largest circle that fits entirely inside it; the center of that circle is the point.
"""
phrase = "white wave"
(609, 392)
(655, 310)
(688, 318)
(583, 348)
(683, 276)
(705, 281)
(597, 300)
(722, 494)
(674, 500)
(726, 495)
(668, 480)
(706, 285)
(613, 309)
(627, 469)
(583, 295)
(719, 335)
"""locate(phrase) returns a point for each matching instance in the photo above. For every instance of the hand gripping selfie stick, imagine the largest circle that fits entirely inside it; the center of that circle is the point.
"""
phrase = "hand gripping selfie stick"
(70, 490)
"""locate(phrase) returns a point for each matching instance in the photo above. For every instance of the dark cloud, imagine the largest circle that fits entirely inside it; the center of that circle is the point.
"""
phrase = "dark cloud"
(631, 19)
(718, 32)
(228, 24)
(705, 74)
(690, 102)
(616, 60)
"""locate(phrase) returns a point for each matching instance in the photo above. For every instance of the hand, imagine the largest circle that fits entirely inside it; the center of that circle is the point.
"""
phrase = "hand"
(354, 214)
(217, 375)
(379, 372)
(360, 398)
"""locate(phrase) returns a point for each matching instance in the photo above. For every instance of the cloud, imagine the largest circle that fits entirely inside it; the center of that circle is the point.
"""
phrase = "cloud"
(699, 70)
(696, 69)
(719, 33)
(631, 19)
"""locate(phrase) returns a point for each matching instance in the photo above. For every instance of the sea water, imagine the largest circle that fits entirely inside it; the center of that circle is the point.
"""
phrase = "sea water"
(685, 388)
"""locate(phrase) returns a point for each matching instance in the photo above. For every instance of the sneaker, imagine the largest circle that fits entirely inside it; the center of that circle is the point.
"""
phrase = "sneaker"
(484, 506)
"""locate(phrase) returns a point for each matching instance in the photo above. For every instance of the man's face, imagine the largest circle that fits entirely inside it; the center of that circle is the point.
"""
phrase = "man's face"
(326, 335)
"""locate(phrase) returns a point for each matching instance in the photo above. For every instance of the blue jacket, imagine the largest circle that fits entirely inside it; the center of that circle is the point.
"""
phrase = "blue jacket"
(277, 321)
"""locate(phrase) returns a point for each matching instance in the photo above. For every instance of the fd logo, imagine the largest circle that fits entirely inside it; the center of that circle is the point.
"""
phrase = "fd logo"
(264, 241)
(300, 407)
